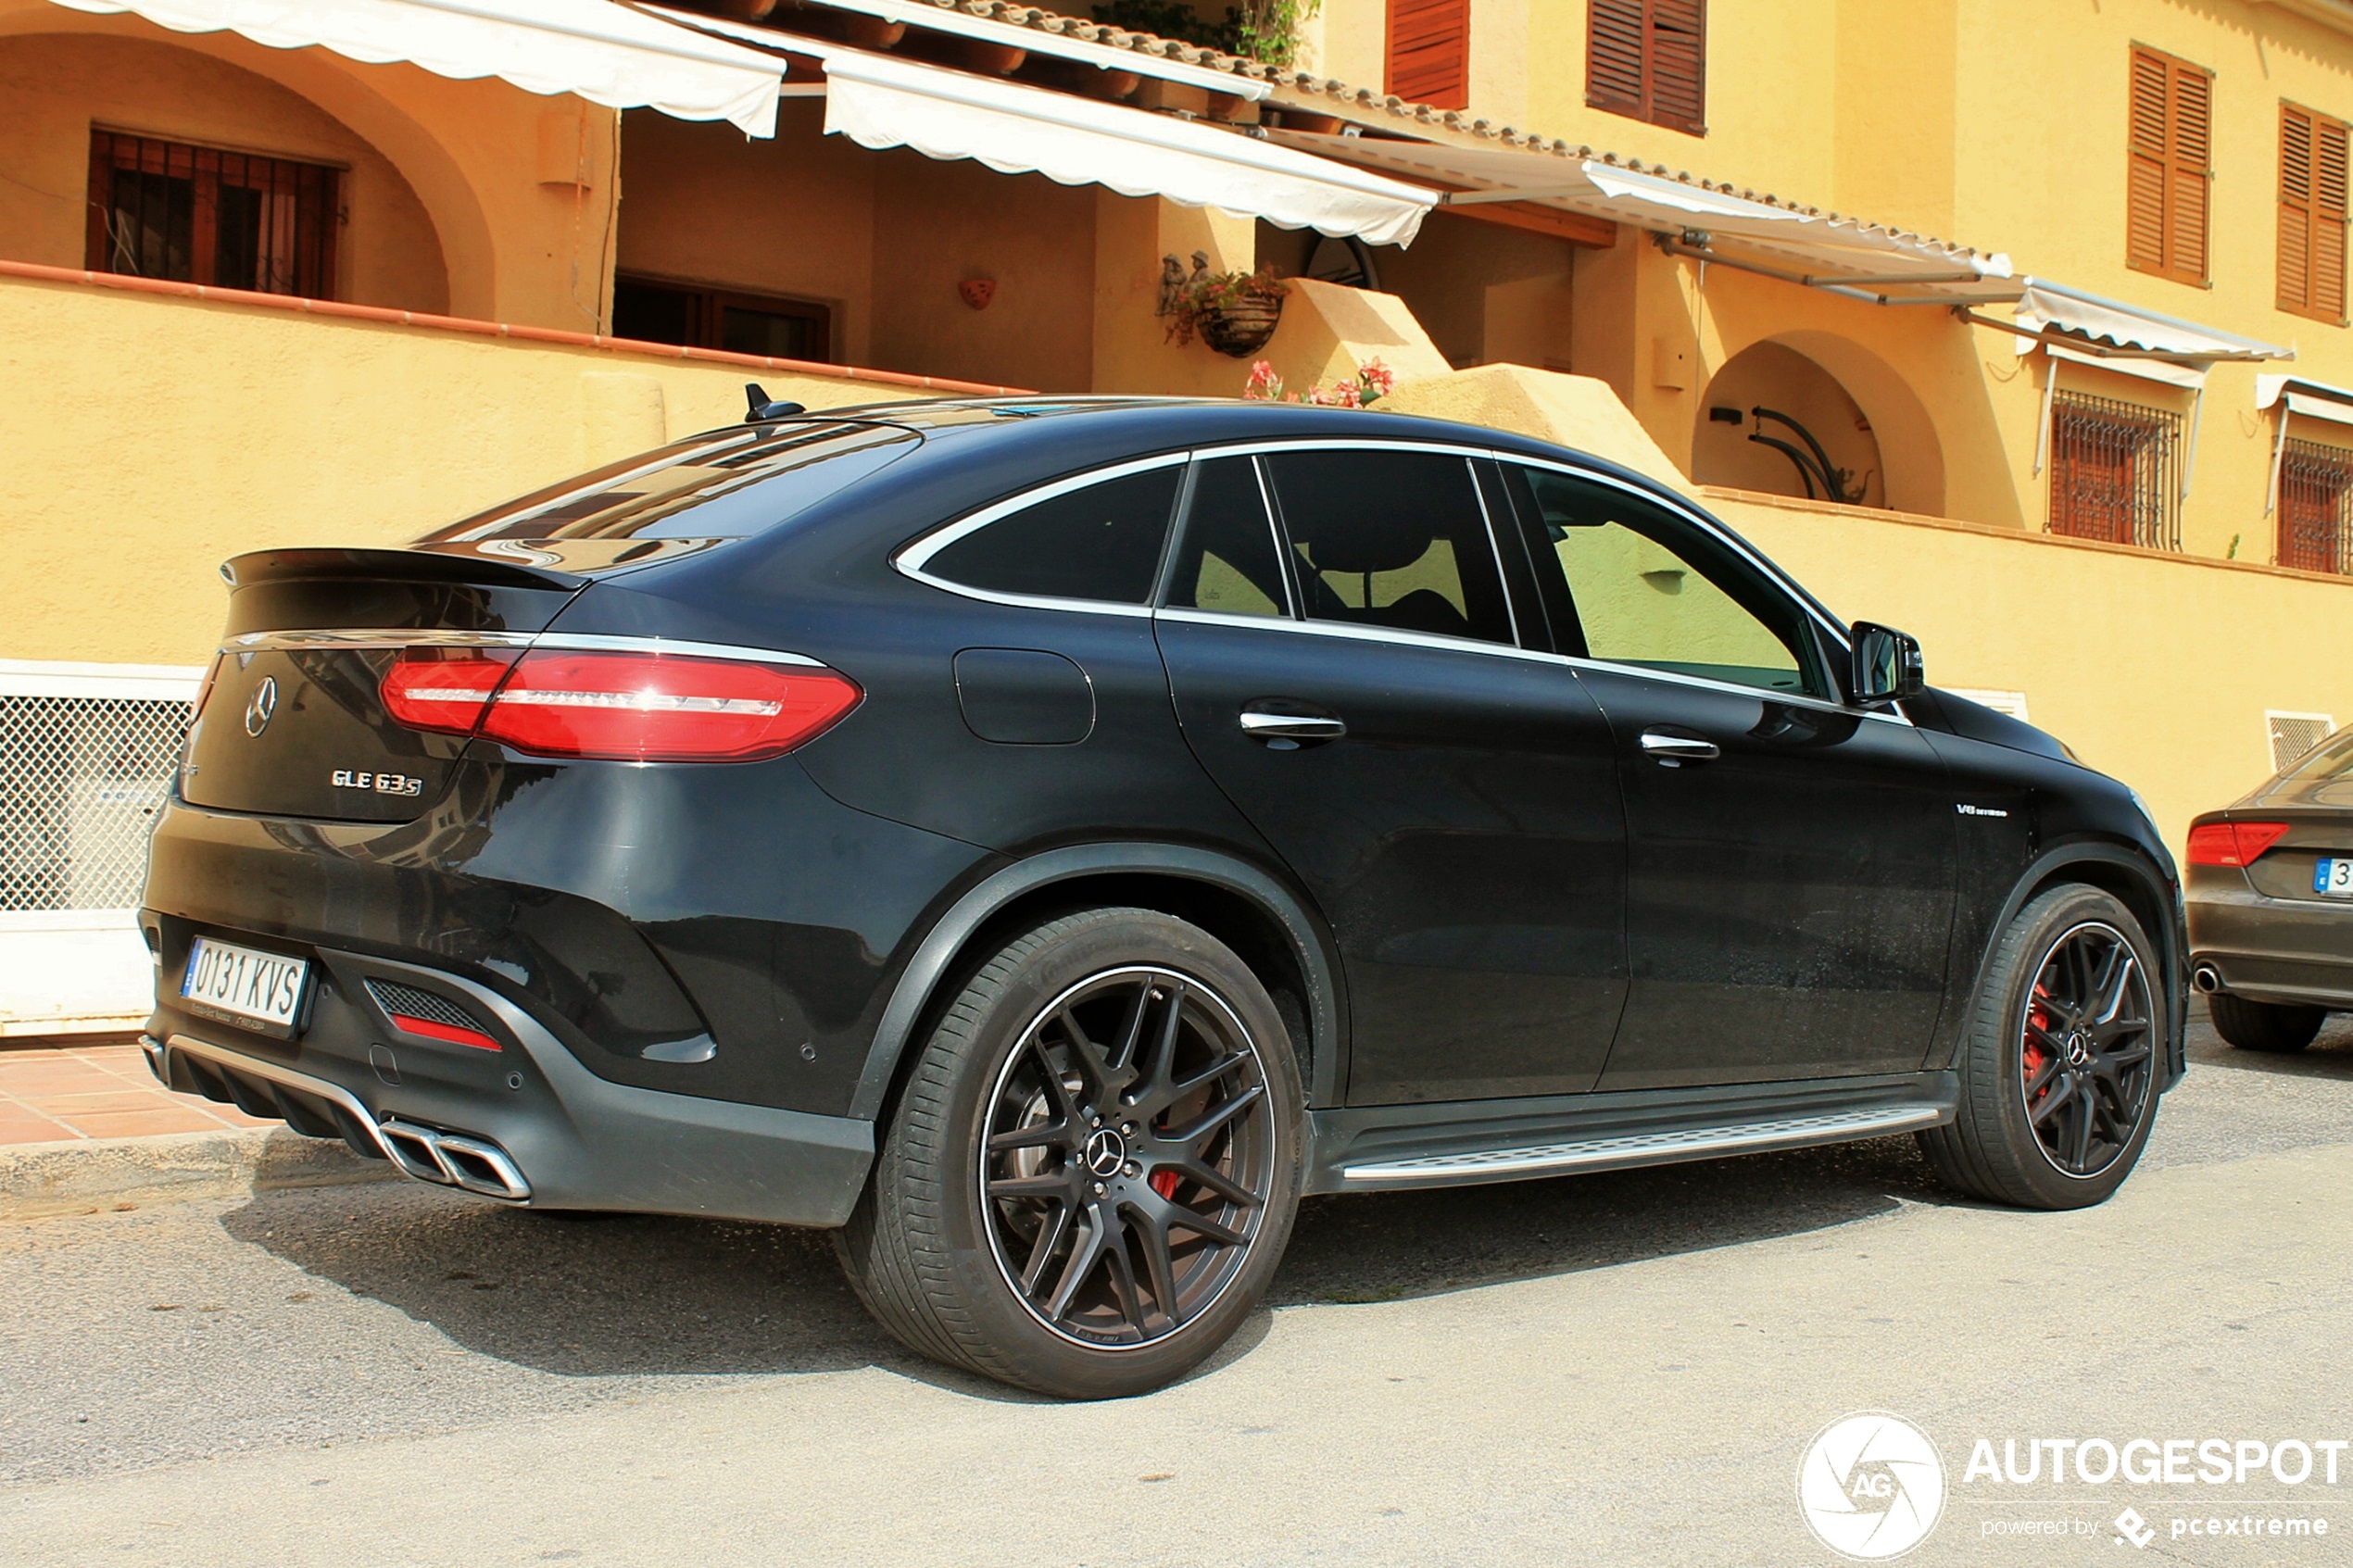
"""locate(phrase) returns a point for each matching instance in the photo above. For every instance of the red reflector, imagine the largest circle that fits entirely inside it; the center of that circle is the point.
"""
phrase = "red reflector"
(2233, 843)
(450, 1033)
(443, 690)
(662, 708)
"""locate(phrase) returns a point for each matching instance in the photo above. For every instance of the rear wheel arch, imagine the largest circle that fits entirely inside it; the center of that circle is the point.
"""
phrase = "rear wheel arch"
(1264, 922)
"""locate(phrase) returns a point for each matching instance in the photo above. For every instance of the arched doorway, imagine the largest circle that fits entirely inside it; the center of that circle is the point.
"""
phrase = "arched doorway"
(1775, 421)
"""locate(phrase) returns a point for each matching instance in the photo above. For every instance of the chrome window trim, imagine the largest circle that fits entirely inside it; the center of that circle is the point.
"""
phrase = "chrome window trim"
(1355, 633)
(585, 641)
(909, 559)
(1538, 656)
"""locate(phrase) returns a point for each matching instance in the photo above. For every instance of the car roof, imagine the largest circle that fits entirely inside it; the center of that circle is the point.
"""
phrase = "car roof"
(1101, 427)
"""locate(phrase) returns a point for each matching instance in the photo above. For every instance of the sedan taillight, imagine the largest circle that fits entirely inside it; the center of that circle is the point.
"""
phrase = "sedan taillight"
(622, 707)
(2233, 843)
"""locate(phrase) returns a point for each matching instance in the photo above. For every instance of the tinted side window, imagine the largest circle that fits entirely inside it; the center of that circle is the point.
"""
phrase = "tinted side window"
(1643, 587)
(1225, 558)
(1102, 542)
(1395, 539)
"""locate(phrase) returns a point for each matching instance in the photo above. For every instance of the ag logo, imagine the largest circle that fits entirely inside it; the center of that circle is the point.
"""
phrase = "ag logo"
(1871, 1486)
(261, 705)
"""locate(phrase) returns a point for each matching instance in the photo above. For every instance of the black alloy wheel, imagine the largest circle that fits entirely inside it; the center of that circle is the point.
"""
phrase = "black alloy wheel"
(1089, 1178)
(1127, 1156)
(2060, 1057)
(2087, 1051)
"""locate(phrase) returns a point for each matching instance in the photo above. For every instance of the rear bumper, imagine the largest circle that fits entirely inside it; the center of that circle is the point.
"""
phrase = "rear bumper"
(529, 1126)
(2294, 951)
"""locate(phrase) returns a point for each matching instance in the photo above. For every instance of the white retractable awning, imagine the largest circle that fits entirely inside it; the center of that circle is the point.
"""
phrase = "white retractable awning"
(2112, 328)
(1805, 246)
(608, 54)
(1015, 129)
(881, 101)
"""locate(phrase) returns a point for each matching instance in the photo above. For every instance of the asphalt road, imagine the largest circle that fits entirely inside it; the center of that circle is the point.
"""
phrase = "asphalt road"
(1607, 1368)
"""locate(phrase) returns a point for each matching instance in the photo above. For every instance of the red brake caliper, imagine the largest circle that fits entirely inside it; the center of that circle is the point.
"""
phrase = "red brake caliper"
(1164, 1183)
(2032, 1057)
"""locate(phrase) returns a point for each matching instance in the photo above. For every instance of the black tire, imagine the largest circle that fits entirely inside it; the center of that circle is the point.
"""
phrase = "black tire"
(2264, 1026)
(2033, 1042)
(1026, 1218)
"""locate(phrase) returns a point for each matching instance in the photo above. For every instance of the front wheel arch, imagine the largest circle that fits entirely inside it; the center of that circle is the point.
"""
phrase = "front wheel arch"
(2130, 877)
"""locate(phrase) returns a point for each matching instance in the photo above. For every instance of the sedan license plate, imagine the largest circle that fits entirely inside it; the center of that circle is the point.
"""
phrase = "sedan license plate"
(261, 991)
(2333, 878)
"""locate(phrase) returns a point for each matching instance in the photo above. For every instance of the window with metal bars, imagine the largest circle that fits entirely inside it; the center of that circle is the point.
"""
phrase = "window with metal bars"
(2116, 472)
(82, 779)
(202, 215)
(2170, 137)
(2316, 508)
(1648, 59)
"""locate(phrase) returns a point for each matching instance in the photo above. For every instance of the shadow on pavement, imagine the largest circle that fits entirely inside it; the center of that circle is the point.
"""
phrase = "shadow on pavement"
(628, 1295)
(2329, 1056)
(1387, 1247)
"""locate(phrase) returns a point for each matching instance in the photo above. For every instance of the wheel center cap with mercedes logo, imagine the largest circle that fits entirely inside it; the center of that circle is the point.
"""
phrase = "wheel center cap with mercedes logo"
(2079, 1050)
(261, 706)
(1106, 1152)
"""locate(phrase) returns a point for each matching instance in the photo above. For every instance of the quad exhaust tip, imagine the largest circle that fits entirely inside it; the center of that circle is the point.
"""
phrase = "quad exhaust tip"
(2206, 978)
(451, 1160)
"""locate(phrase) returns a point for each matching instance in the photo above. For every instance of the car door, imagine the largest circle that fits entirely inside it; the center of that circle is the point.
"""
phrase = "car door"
(1791, 859)
(1346, 669)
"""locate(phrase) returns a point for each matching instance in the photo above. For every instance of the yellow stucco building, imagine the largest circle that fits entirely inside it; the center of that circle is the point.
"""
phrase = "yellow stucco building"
(2018, 323)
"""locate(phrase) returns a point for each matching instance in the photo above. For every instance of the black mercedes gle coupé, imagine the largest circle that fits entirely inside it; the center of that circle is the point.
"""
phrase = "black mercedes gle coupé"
(1042, 840)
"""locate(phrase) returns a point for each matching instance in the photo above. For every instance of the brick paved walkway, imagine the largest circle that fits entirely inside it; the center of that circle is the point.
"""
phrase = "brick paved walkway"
(61, 1094)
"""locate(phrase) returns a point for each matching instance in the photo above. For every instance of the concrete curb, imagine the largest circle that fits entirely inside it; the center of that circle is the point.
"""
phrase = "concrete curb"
(83, 1178)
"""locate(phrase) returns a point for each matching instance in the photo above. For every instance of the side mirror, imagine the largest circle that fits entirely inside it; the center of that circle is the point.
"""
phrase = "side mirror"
(1883, 665)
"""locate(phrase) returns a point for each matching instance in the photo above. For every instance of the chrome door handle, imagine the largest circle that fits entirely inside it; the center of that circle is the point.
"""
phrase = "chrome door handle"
(1675, 750)
(1292, 726)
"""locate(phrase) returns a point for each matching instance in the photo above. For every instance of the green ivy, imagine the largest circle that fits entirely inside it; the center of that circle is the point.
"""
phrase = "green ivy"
(1265, 31)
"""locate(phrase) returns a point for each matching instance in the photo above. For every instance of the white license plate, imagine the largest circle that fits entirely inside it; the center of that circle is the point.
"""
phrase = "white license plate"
(260, 990)
(2333, 878)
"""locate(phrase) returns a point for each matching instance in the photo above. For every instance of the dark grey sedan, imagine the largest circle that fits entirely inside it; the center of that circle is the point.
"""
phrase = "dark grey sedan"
(2271, 903)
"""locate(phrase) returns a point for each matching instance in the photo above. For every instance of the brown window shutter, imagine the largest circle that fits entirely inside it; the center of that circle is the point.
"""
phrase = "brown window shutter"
(1614, 33)
(1430, 52)
(1648, 59)
(2169, 153)
(2186, 215)
(1678, 65)
(2329, 146)
(2296, 210)
(2312, 214)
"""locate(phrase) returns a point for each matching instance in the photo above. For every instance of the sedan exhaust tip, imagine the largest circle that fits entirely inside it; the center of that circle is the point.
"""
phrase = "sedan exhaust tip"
(2206, 978)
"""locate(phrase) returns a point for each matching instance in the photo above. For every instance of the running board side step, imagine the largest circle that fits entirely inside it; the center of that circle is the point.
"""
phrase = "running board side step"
(1371, 1147)
(1644, 1149)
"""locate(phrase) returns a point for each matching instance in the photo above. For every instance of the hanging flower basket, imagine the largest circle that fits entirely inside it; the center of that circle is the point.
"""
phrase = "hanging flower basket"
(1243, 326)
(1232, 312)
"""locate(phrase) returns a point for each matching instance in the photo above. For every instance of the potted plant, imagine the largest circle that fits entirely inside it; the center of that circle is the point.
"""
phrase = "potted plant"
(1232, 312)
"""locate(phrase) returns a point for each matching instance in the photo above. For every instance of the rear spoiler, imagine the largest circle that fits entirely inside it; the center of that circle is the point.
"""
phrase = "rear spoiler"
(463, 564)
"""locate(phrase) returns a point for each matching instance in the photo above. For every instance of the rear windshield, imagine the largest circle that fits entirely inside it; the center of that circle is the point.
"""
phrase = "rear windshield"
(723, 486)
(2332, 759)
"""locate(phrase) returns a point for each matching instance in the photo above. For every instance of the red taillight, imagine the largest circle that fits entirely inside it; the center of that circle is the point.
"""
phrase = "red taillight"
(2233, 843)
(443, 690)
(617, 707)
